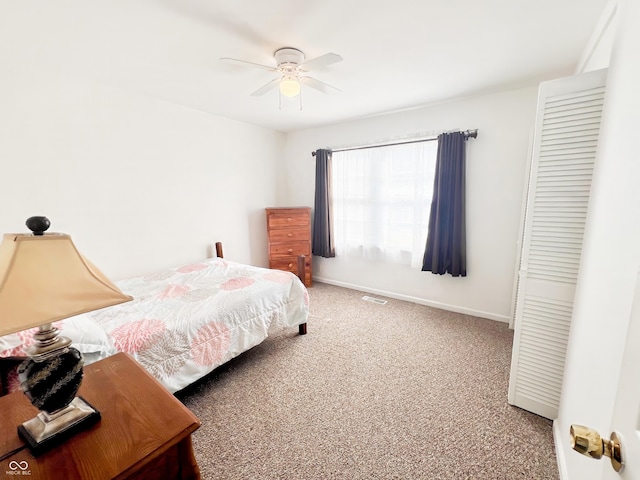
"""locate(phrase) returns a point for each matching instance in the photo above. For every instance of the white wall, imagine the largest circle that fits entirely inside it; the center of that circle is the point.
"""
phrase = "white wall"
(139, 183)
(610, 259)
(597, 53)
(495, 181)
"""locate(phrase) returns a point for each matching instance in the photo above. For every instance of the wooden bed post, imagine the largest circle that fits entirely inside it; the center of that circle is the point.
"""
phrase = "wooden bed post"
(219, 250)
(302, 269)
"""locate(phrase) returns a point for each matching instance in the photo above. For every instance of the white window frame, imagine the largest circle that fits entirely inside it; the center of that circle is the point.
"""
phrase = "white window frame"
(381, 200)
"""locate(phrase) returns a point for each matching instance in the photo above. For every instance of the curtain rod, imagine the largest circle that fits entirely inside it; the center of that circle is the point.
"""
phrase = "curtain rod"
(467, 134)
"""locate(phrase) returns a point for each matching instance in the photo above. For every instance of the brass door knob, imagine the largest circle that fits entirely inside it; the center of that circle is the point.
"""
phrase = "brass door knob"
(588, 442)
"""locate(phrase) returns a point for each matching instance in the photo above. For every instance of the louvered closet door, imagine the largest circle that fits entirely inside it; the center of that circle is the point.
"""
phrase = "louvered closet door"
(564, 150)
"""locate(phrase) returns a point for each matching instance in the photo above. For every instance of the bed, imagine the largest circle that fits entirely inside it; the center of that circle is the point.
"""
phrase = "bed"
(183, 322)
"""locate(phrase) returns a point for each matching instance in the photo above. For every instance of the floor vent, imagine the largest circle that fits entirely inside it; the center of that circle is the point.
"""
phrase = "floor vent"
(374, 300)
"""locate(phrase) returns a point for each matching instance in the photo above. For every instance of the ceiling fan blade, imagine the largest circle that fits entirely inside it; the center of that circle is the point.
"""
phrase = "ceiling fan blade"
(318, 85)
(265, 88)
(321, 61)
(244, 62)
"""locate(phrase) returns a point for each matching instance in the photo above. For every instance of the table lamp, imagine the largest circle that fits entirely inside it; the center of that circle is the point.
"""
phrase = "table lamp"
(43, 279)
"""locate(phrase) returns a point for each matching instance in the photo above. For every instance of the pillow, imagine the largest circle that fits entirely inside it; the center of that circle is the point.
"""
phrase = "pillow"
(87, 336)
(84, 333)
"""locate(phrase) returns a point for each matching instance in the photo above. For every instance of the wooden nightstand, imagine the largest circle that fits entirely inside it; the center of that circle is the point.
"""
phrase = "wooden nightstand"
(145, 432)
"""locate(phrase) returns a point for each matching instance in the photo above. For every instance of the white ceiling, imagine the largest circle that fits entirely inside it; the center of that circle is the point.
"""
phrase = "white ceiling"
(397, 54)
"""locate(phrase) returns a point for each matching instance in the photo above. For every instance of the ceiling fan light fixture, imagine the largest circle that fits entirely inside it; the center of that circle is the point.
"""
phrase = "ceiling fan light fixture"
(291, 69)
(290, 87)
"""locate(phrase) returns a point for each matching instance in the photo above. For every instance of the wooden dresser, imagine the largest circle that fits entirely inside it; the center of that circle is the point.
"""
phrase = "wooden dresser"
(289, 235)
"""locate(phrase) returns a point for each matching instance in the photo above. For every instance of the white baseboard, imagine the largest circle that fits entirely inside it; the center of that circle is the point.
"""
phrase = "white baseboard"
(559, 441)
(420, 301)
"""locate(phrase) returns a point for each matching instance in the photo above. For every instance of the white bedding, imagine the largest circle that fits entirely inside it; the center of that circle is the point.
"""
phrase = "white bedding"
(186, 321)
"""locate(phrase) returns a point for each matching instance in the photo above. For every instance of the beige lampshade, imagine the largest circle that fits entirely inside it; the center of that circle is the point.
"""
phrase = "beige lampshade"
(43, 278)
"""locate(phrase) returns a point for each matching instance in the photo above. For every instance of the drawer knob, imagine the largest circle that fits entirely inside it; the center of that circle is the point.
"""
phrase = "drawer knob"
(289, 234)
(290, 265)
(290, 250)
(288, 219)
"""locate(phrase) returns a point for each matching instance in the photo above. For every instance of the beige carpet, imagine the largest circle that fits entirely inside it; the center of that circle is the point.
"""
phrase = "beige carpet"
(395, 391)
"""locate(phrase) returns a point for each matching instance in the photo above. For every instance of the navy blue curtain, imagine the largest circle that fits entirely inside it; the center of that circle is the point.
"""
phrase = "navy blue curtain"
(446, 250)
(323, 244)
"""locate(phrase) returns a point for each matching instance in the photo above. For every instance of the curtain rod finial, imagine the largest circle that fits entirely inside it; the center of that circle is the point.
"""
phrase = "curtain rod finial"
(471, 134)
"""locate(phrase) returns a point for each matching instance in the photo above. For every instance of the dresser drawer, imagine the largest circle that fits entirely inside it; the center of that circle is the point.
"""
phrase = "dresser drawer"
(283, 220)
(289, 264)
(289, 235)
(289, 249)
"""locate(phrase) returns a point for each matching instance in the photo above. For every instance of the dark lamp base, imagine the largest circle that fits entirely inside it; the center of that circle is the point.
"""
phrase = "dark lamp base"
(45, 431)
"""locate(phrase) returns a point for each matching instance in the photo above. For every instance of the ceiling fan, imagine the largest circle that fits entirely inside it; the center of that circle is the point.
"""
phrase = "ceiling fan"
(292, 68)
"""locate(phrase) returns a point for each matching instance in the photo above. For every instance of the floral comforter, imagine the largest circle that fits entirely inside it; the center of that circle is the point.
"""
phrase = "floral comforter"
(185, 322)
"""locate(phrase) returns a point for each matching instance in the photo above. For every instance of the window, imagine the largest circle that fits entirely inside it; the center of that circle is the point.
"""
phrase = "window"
(381, 201)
